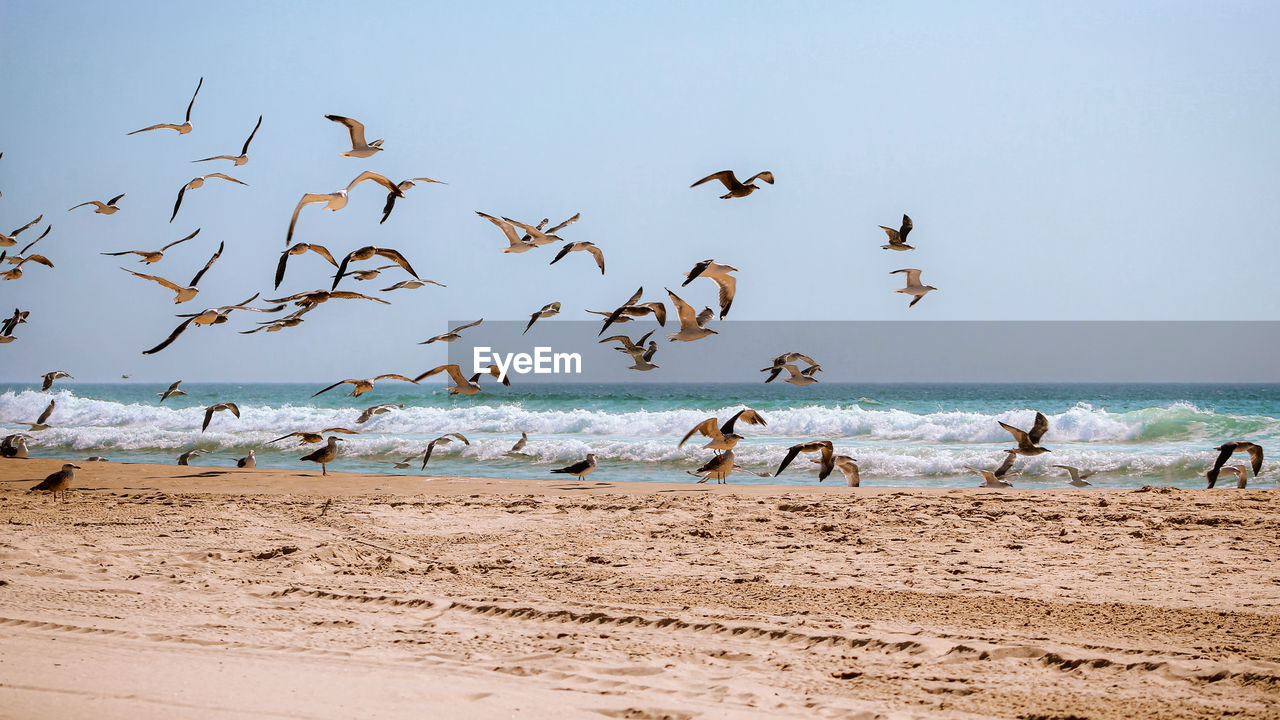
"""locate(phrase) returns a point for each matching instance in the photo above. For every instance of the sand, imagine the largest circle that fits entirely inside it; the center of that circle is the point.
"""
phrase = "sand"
(165, 591)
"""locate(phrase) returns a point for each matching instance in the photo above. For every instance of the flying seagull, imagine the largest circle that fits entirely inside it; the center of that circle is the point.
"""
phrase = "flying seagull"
(359, 148)
(218, 407)
(548, 235)
(49, 377)
(198, 182)
(1242, 474)
(776, 367)
(336, 200)
(633, 308)
(718, 273)
(692, 327)
(208, 316)
(516, 244)
(399, 193)
(826, 461)
(452, 334)
(315, 297)
(104, 208)
(587, 246)
(535, 236)
(362, 386)
(796, 375)
(18, 261)
(367, 252)
(173, 391)
(995, 479)
(310, 438)
(735, 188)
(633, 349)
(1078, 478)
(644, 361)
(152, 256)
(39, 424)
(1029, 441)
(547, 311)
(185, 127)
(12, 238)
(243, 157)
(461, 384)
(913, 288)
(582, 468)
(847, 466)
(444, 439)
(183, 294)
(412, 285)
(898, 238)
(300, 249)
(376, 410)
(1226, 450)
(12, 322)
(722, 436)
(324, 455)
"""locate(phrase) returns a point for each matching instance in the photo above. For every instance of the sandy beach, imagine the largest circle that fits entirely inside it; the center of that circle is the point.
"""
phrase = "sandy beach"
(267, 593)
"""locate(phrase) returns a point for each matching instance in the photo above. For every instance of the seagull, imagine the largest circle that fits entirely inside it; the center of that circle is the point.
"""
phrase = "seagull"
(797, 376)
(367, 252)
(196, 183)
(173, 391)
(1029, 441)
(315, 297)
(104, 208)
(722, 436)
(825, 464)
(582, 468)
(359, 148)
(185, 127)
(310, 438)
(643, 362)
(376, 410)
(412, 285)
(14, 447)
(587, 246)
(18, 261)
(49, 377)
(913, 285)
(186, 456)
(11, 323)
(58, 482)
(402, 464)
(364, 386)
(301, 249)
(444, 439)
(718, 467)
(633, 308)
(209, 411)
(1077, 477)
(336, 200)
(735, 188)
(547, 311)
(462, 385)
(1242, 474)
(995, 479)
(549, 233)
(898, 238)
(293, 319)
(727, 283)
(775, 368)
(152, 256)
(1226, 450)
(324, 455)
(691, 326)
(452, 335)
(534, 235)
(39, 424)
(634, 349)
(847, 467)
(183, 294)
(369, 274)
(208, 316)
(12, 238)
(518, 448)
(243, 157)
(517, 245)
(249, 461)
(399, 193)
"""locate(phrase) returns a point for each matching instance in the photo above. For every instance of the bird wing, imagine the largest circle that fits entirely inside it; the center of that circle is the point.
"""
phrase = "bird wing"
(224, 176)
(563, 251)
(217, 157)
(323, 252)
(507, 229)
(156, 278)
(1039, 428)
(728, 286)
(1255, 456)
(562, 225)
(371, 175)
(724, 176)
(764, 175)
(284, 260)
(455, 373)
(388, 207)
(394, 376)
(705, 316)
(913, 275)
(193, 98)
(894, 238)
(333, 386)
(792, 452)
(113, 200)
(1073, 472)
(460, 328)
(906, 227)
(48, 410)
(245, 150)
(688, 320)
(696, 271)
(1018, 435)
(307, 199)
(217, 254)
(208, 415)
(849, 469)
(709, 427)
(286, 437)
(234, 408)
(355, 129)
(598, 255)
(1008, 463)
(175, 242)
(15, 233)
(746, 415)
(459, 436)
(157, 126)
(395, 257)
(172, 336)
(344, 431)
(349, 295)
(29, 245)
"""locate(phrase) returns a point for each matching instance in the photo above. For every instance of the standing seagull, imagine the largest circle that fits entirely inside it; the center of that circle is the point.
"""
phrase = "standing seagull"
(727, 283)
(324, 455)
(185, 127)
(1226, 450)
(152, 256)
(1077, 477)
(49, 377)
(58, 482)
(995, 479)
(452, 335)
(243, 157)
(518, 448)
(248, 462)
(547, 311)
(173, 391)
(735, 188)
(587, 246)
(337, 199)
(103, 208)
(183, 293)
(359, 148)
(913, 287)
(691, 325)
(209, 411)
(461, 384)
(1029, 441)
(898, 238)
(582, 468)
(198, 182)
(722, 436)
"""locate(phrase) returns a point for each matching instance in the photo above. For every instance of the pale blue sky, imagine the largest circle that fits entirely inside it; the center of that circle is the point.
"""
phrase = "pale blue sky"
(1071, 161)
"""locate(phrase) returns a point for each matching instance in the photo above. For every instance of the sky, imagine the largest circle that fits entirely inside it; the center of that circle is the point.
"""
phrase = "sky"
(1061, 161)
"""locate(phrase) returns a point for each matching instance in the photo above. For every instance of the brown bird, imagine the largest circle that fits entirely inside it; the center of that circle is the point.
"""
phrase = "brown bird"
(692, 327)
(209, 411)
(315, 297)
(197, 183)
(153, 256)
(1226, 450)
(1029, 441)
(58, 482)
(722, 436)
(633, 308)
(359, 148)
(248, 462)
(825, 464)
(12, 238)
(300, 249)
(208, 316)
(444, 439)
(376, 410)
(898, 238)
(719, 274)
(582, 468)
(363, 386)
(49, 377)
(39, 424)
(735, 188)
(586, 246)
(173, 391)
(549, 235)
(16, 271)
(412, 285)
(183, 294)
(184, 458)
(515, 243)
(995, 478)
(367, 252)
(310, 438)
(324, 455)
(336, 200)
(462, 385)
(185, 127)
(399, 193)
(104, 208)
(243, 157)
(452, 335)
(547, 311)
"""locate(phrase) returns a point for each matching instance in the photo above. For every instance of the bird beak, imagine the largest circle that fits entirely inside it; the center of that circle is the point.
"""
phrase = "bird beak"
(76, 467)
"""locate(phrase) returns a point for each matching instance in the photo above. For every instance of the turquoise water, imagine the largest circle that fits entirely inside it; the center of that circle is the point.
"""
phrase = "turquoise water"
(911, 435)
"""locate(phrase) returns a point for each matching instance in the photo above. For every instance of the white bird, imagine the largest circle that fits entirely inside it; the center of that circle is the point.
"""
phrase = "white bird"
(412, 285)
(995, 479)
(444, 439)
(586, 246)
(152, 256)
(461, 384)
(451, 335)
(249, 461)
(731, 183)
(631, 309)
(183, 294)
(634, 349)
(359, 148)
(644, 361)
(518, 448)
(536, 236)
(796, 375)
(582, 468)
(913, 288)
(826, 462)
(722, 436)
(1078, 478)
(1241, 472)
(336, 200)
(243, 157)
(691, 325)
(104, 208)
(14, 447)
(847, 467)
(12, 238)
(898, 238)
(547, 311)
(550, 235)
(718, 273)
(39, 424)
(198, 182)
(208, 316)
(173, 391)
(185, 127)
(218, 407)
(1029, 441)
(516, 244)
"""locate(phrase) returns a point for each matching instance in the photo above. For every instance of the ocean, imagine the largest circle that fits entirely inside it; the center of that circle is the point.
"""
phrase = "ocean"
(906, 435)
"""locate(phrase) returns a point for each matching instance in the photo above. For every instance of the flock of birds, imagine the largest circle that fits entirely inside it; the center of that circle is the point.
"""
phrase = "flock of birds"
(521, 237)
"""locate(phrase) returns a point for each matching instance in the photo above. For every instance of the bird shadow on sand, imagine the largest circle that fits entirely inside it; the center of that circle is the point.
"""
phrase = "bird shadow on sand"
(582, 486)
(205, 474)
(692, 489)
